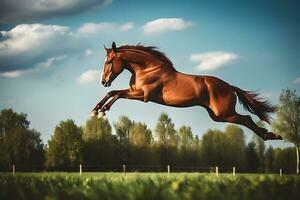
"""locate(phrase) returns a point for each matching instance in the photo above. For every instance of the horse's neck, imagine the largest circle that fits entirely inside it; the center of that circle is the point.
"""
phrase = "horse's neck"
(137, 62)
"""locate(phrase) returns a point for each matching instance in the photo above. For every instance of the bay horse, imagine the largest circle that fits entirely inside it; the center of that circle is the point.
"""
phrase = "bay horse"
(155, 79)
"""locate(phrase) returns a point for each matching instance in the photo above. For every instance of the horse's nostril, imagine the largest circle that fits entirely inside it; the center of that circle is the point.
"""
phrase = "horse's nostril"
(103, 82)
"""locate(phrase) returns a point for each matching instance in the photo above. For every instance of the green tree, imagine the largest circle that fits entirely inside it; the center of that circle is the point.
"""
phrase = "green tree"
(100, 146)
(260, 148)
(65, 146)
(213, 148)
(252, 157)
(197, 160)
(165, 130)
(236, 146)
(224, 149)
(284, 159)
(287, 122)
(140, 139)
(19, 144)
(186, 144)
(269, 159)
(186, 136)
(96, 129)
(10, 120)
(140, 135)
(122, 128)
(167, 138)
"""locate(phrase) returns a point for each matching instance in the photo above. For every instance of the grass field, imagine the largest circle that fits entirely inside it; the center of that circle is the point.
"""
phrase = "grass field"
(147, 186)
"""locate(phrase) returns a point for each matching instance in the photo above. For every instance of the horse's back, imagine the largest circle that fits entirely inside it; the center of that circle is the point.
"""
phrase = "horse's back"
(218, 85)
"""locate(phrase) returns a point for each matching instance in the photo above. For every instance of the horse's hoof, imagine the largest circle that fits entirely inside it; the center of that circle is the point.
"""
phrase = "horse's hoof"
(273, 136)
(100, 115)
(94, 113)
(278, 137)
(265, 136)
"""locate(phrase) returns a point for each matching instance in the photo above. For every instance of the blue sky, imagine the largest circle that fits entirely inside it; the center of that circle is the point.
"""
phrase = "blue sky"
(51, 53)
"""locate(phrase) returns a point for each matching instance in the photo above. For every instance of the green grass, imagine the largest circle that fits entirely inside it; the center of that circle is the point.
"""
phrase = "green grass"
(147, 186)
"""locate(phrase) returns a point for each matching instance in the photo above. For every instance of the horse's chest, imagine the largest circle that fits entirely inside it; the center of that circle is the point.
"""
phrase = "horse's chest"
(143, 81)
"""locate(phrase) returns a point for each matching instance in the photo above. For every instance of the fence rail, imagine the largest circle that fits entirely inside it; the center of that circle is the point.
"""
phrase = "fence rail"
(81, 168)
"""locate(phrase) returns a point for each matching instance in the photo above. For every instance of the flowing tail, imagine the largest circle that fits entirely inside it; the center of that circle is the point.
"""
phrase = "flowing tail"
(255, 104)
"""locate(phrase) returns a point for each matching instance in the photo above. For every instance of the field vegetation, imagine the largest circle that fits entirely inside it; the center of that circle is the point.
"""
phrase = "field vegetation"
(148, 186)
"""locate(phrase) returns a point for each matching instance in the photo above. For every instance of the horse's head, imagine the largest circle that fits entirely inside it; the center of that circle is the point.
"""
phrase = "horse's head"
(113, 66)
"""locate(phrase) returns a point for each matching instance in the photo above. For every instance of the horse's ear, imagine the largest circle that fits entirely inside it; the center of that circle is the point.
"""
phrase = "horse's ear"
(106, 49)
(114, 47)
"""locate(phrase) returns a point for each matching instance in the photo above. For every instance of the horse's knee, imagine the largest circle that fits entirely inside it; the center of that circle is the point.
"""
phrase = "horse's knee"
(146, 97)
(247, 119)
(217, 117)
(110, 94)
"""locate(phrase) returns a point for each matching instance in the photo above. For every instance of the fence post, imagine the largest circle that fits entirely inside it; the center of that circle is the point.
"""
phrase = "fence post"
(80, 169)
(233, 171)
(168, 169)
(13, 169)
(124, 169)
(280, 172)
(217, 171)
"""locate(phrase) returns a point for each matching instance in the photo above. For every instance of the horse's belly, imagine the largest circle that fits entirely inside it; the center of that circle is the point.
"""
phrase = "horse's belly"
(184, 91)
(180, 102)
(178, 105)
(178, 98)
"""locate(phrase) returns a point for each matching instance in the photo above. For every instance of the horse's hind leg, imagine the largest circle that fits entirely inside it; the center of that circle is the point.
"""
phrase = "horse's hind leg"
(247, 121)
(221, 108)
(244, 120)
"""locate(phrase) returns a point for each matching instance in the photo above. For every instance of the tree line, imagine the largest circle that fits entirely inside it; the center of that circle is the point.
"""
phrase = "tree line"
(133, 143)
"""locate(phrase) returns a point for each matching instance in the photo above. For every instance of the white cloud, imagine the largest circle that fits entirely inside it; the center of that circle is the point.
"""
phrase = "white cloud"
(163, 25)
(91, 28)
(36, 69)
(20, 10)
(212, 60)
(12, 74)
(35, 47)
(103, 27)
(297, 81)
(88, 52)
(127, 26)
(89, 76)
(26, 37)
(51, 61)
(27, 45)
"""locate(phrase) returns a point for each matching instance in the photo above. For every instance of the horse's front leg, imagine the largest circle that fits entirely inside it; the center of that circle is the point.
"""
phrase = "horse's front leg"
(100, 104)
(128, 94)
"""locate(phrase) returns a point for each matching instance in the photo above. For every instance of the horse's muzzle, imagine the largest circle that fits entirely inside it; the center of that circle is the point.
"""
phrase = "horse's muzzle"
(105, 84)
